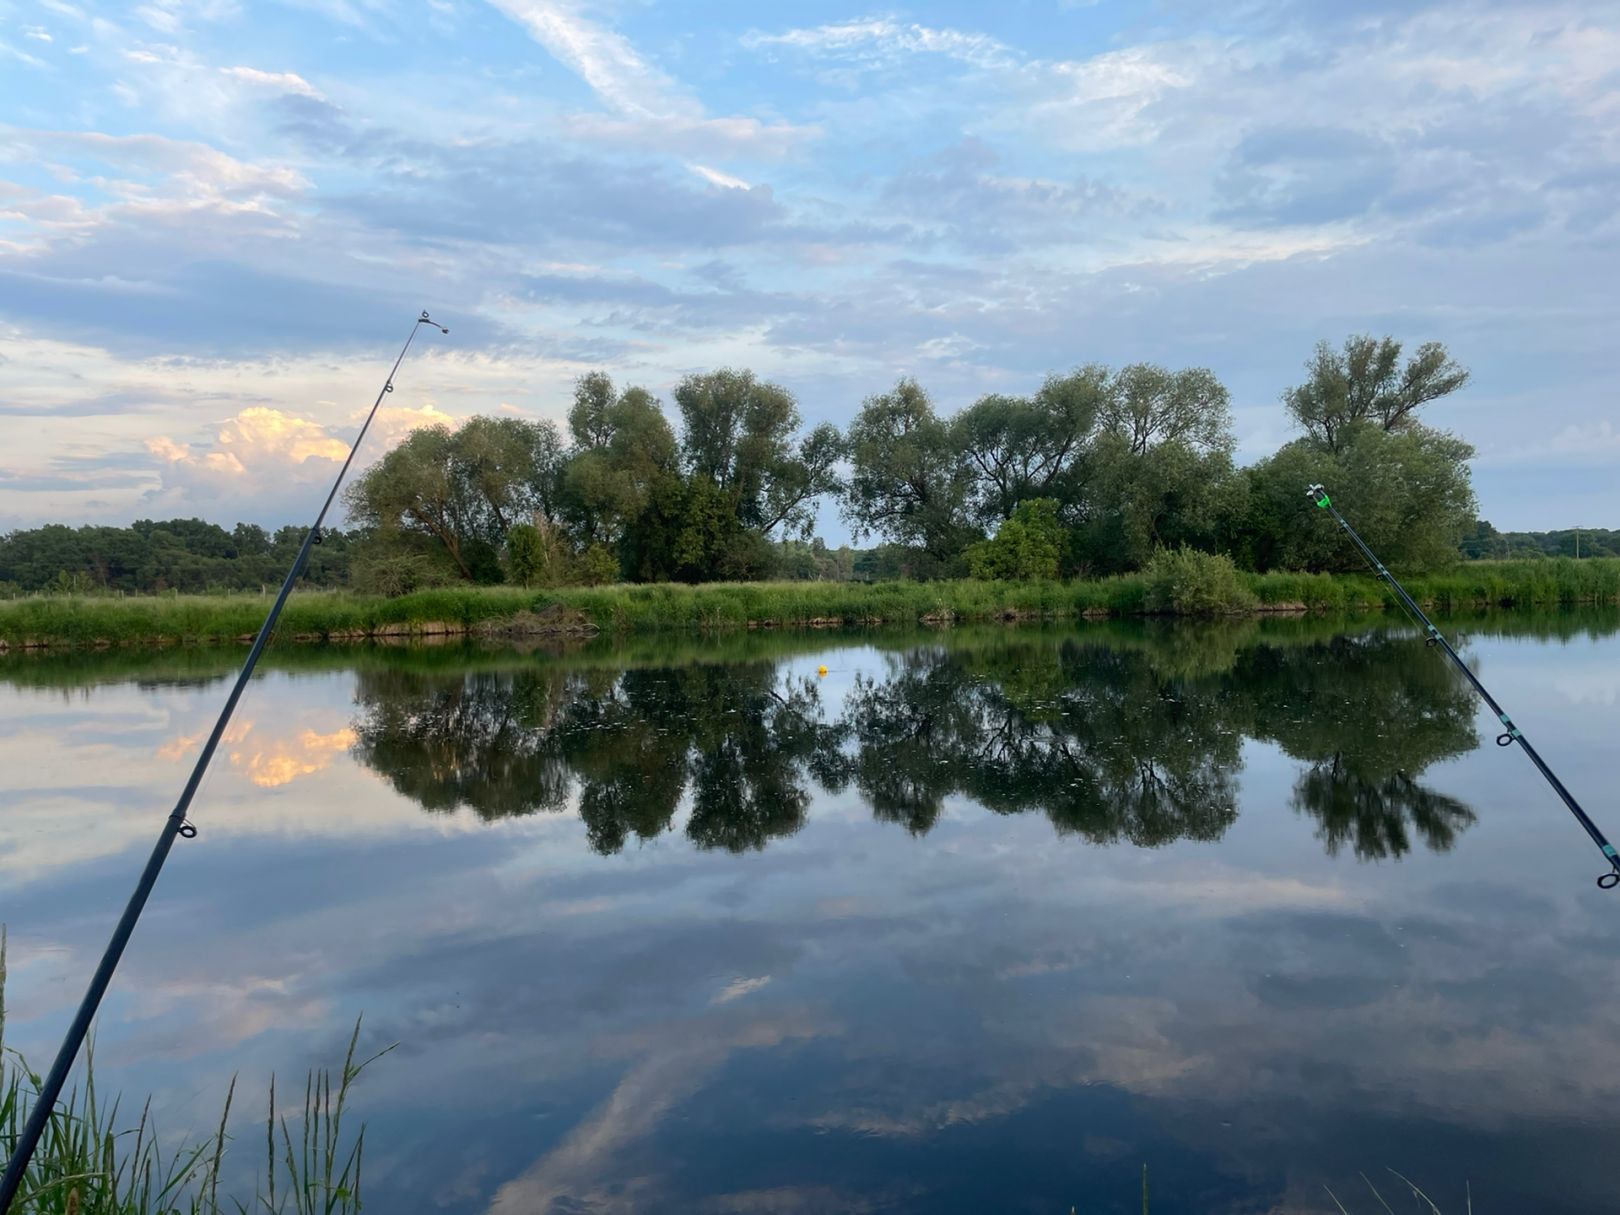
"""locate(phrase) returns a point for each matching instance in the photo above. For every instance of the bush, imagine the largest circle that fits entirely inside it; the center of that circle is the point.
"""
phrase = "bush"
(1025, 548)
(1187, 582)
(596, 566)
(398, 573)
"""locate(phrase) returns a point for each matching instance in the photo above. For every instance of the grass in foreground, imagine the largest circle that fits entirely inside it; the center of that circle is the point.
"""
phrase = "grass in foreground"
(95, 1160)
(626, 609)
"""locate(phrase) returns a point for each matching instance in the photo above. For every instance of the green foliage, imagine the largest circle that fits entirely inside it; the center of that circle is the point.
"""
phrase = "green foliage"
(187, 555)
(1026, 548)
(596, 566)
(737, 434)
(1187, 582)
(525, 556)
(1407, 492)
(460, 490)
(624, 453)
(907, 482)
(1484, 542)
(812, 560)
(1148, 406)
(401, 571)
(1363, 384)
(95, 1160)
(1030, 447)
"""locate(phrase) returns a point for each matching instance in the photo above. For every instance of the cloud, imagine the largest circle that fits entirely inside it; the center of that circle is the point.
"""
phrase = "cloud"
(716, 178)
(647, 106)
(266, 454)
(881, 41)
(271, 764)
(738, 988)
(279, 82)
(959, 196)
(1305, 175)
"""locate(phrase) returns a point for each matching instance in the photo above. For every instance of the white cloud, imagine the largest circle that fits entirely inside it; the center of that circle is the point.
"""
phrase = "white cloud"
(738, 988)
(716, 178)
(281, 82)
(21, 56)
(646, 107)
(624, 81)
(882, 40)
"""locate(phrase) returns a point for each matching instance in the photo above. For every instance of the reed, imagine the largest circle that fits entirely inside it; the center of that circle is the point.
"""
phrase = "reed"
(58, 621)
(93, 1160)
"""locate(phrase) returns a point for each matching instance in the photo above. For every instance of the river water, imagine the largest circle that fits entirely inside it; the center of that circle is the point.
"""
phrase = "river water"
(973, 921)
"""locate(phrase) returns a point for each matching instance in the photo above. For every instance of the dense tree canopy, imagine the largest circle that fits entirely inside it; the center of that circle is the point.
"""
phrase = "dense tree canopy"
(1030, 447)
(1102, 467)
(907, 482)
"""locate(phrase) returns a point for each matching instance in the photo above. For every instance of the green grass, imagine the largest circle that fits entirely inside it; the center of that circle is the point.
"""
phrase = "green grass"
(95, 1159)
(626, 609)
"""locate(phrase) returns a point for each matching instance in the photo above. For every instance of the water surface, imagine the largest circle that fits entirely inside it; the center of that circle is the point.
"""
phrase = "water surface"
(980, 920)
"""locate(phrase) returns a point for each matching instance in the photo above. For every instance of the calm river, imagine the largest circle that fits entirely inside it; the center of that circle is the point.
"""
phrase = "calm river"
(977, 921)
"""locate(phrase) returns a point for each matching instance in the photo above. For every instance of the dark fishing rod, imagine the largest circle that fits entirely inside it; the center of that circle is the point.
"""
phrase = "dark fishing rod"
(176, 826)
(1510, 732)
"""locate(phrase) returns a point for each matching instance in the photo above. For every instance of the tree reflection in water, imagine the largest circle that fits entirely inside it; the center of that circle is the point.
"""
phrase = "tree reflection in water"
(1137, 739)
(1368, 714)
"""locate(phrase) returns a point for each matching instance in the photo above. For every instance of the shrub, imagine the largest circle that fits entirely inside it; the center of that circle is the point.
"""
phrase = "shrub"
(398, 573)
(1025, 548)
(596, 566)
(1191, 583)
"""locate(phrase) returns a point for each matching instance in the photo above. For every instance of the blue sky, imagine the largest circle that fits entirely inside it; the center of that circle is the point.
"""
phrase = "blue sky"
(217, 218)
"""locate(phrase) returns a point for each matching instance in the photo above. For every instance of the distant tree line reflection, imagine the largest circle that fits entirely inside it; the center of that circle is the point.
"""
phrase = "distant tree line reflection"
(1140, 743)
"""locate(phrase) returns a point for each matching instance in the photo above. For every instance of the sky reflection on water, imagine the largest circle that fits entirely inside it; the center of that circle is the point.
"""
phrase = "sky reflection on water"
(981, 921)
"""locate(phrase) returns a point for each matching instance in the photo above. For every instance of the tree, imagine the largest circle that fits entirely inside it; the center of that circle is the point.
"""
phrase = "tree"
(1150, 406)
(512, 470)
(737, 432)
(1408, 493)
(1029, 447)
(907, 482)
(1364, 383)
(1026, 548)
(624, 451)
(1160, 469)
(1405, 485)
(461, 491)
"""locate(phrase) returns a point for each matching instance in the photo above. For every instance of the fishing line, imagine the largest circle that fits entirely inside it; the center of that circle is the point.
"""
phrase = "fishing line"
(1510, 733)
(177, 826)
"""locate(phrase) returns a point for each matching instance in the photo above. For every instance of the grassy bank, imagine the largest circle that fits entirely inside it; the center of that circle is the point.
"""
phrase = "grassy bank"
(337, 616)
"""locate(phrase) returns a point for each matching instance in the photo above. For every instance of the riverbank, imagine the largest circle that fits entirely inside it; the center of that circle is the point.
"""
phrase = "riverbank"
(76, 620)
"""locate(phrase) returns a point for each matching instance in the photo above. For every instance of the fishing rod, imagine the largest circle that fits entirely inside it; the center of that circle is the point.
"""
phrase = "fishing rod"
(177, 826)
(1510, 732)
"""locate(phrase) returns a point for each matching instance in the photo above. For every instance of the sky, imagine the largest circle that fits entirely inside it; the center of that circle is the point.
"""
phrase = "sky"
(218, 219)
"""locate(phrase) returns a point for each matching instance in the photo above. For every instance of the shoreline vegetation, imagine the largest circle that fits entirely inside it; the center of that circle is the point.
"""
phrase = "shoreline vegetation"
(1183, 585)
(107, 1157)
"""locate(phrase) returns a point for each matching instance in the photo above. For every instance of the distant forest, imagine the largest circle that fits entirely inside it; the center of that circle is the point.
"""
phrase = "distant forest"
(1489, 544)
(193, 556)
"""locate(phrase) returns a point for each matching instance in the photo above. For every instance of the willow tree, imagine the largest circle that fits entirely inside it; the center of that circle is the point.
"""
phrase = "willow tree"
(908, 483)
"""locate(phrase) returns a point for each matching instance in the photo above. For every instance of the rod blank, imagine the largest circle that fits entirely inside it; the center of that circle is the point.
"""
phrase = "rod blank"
(176, 826)
(1510, 733)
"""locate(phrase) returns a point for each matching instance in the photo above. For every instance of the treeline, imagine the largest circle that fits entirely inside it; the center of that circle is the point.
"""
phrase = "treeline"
(1485, 543)
(186, 555)
(1091, 474)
